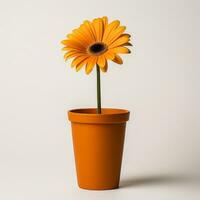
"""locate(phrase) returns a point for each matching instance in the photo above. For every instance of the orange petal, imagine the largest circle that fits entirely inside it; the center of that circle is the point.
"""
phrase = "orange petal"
(73, 44)
(120, 41)
(126, 34)
(81, 64)
(77, 60)
(71, 54)
(90, 64)
(115, 34)
(105, 22)
(72, 49)
(110, 55)
(90, 28)
(127, 44)
(101, 61)
(98, 26)
(87, 32)
(112, 26)
(78, 37)
(118, 60)
(121, 50)
(105, 68)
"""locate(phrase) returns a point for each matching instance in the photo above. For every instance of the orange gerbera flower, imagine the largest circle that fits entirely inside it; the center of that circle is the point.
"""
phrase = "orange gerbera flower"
(96, 42)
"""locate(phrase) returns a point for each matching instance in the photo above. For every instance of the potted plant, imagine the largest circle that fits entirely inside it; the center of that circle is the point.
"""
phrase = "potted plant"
(98, 133)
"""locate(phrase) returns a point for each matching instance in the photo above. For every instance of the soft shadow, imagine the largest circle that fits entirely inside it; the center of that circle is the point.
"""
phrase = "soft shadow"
(157, 180)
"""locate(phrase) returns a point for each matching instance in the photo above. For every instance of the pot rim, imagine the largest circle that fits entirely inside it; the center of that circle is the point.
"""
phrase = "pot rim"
(89, 115)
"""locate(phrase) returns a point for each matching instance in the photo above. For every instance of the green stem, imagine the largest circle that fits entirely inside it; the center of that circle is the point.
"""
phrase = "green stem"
(98, 90)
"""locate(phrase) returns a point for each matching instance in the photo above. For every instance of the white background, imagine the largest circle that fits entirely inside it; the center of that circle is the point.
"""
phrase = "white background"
(159, 83)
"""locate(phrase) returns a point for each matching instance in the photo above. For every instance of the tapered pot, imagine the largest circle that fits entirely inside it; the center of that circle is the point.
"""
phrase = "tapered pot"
(98, 141)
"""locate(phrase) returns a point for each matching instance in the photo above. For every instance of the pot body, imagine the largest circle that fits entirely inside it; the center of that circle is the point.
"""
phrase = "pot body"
(98, 141)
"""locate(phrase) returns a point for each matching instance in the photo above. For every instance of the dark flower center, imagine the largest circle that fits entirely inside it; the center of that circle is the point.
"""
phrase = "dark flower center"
(97, 48)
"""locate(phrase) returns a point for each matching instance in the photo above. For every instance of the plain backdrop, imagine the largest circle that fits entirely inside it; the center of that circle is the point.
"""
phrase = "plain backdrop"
(159, 83)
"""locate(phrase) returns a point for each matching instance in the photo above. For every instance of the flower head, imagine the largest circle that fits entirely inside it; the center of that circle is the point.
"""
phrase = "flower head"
(96, 42)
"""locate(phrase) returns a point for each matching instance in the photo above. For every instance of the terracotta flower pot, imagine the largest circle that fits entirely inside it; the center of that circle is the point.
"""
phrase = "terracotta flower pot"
(98, 146)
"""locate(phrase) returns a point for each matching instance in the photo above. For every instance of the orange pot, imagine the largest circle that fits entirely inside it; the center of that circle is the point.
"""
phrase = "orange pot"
(98, 146)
